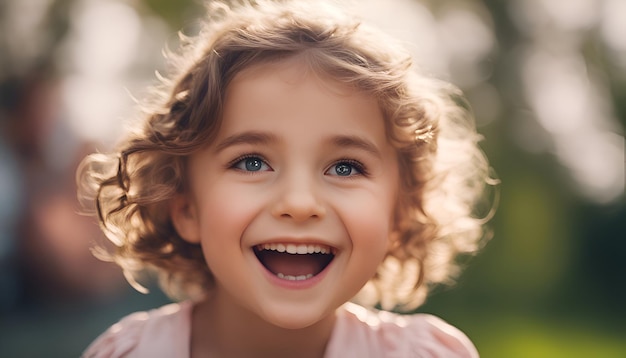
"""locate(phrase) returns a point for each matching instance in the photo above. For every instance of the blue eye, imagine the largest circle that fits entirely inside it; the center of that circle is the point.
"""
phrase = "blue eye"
(346, 169)
(251, 164)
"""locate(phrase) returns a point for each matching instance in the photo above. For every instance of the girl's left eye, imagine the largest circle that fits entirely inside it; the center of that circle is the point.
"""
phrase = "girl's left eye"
(346, 168)
(251, 164)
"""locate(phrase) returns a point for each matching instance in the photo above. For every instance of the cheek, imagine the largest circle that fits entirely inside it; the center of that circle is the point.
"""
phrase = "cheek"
(371, 217)
(371, 228)
(368, 227)
(369, 223)
(225, 211)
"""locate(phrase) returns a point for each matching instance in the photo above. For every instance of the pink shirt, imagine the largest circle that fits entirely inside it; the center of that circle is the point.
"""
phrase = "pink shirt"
(358, 333)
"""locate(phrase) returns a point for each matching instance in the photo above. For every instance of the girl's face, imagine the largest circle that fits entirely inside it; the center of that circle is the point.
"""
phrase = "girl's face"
(293, 202)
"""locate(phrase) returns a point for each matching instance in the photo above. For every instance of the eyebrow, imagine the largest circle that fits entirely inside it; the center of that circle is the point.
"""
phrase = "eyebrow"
(350, 141)
(250, 137)
(257, 137)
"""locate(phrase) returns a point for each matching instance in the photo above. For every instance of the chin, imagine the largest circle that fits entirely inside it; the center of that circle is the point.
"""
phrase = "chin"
(294, 319)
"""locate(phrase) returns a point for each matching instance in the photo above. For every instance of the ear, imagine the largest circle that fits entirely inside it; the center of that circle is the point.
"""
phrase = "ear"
(184, 216)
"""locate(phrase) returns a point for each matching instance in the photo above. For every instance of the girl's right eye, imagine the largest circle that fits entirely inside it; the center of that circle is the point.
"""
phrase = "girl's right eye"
(251, 164)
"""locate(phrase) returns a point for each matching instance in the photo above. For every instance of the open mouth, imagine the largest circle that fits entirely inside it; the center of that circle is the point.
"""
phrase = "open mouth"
(294, 262)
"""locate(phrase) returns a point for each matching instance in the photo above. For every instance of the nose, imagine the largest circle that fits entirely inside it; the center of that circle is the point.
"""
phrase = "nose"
(298, 199)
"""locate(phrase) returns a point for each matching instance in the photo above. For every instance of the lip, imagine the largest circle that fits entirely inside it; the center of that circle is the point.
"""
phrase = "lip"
(299, 284)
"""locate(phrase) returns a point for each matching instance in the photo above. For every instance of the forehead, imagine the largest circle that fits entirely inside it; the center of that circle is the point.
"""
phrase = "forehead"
(293, 70)
(293, 89)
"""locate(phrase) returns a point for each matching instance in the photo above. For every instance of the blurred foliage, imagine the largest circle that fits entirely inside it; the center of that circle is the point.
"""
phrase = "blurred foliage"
(551, 281)
(176, 13)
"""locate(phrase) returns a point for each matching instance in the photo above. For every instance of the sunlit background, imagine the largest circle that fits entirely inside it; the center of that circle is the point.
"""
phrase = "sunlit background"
(547, 82)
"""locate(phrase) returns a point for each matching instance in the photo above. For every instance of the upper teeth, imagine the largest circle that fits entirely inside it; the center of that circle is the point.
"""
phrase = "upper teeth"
(299, 249)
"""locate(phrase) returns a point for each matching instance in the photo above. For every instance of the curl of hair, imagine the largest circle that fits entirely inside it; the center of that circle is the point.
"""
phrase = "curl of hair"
(443, 171)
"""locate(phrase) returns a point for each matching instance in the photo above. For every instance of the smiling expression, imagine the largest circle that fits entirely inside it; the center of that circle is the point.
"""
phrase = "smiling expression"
(293, 201)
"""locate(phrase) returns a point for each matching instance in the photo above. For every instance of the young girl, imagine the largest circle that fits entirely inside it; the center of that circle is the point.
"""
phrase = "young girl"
(296, 165)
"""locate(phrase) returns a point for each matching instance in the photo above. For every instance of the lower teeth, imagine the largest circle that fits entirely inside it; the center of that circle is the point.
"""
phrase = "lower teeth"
(294, 278)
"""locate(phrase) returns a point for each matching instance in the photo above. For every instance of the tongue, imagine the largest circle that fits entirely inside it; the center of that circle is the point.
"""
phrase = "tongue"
(289, 264)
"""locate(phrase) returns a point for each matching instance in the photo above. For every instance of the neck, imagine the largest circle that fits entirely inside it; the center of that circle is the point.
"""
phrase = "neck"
(221, 328)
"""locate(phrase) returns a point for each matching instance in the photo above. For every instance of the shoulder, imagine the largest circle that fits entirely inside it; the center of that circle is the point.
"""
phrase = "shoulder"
(360, 332)
(162, 332)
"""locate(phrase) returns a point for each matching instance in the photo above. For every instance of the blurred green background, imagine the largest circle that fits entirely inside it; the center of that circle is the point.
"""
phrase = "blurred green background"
(547, 82)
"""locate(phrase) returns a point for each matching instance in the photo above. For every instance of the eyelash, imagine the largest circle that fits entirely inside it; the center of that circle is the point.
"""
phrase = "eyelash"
(360, 168)
(233, 163)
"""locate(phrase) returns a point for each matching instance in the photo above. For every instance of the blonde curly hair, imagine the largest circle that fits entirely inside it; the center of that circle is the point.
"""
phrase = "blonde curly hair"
(443, 171)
